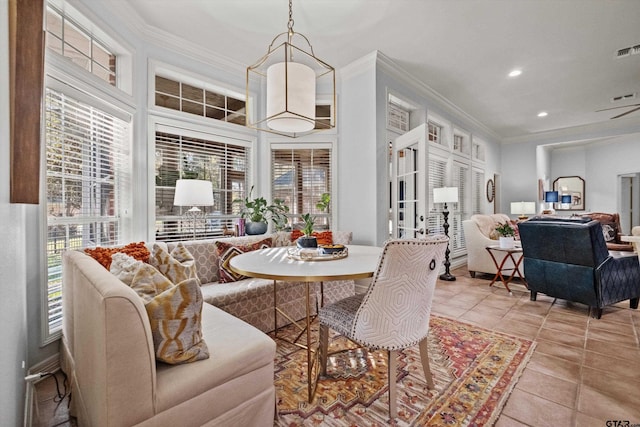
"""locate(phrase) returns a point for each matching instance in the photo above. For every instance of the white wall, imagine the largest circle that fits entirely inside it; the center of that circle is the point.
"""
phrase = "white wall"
(13, 333)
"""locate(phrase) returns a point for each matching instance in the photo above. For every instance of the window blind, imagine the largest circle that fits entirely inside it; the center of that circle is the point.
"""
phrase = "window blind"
(299, 177)
(461, 177)
(478, 193)
(437, 179)
(88, 178)
(180, 155)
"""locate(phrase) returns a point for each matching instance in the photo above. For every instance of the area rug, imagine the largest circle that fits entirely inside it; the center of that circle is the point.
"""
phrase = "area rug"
(474, 371)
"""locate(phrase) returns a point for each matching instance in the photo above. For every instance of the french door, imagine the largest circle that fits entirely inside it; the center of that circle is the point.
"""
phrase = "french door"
(409, 189)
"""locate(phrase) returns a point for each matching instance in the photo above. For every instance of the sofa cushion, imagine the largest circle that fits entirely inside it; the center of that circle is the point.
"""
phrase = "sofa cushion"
(609, 231)
(176, 324)
(143, 278)
(226, 251)
(177, 266)
(103, 255)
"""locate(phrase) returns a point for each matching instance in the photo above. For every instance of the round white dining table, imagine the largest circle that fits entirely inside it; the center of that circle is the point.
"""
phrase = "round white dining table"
(280, 264)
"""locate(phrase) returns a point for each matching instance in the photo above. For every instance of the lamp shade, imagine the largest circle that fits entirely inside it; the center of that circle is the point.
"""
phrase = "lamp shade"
(193, 192)
(551, 196)
(445, 195)
(523, 208)
(566, 198)
(291, 97)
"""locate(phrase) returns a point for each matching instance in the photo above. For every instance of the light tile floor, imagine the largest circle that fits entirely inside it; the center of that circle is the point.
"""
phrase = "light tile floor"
(583, 372)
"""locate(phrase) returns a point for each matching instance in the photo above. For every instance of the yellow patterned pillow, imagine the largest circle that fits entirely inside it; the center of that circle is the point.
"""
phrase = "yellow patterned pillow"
(175, 316)
(177, 266)
(143, 278)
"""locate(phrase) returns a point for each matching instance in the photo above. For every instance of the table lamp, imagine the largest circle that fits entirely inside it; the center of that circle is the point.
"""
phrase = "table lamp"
(194, 193)
(550, 197)
(446, 195)
(522, 209)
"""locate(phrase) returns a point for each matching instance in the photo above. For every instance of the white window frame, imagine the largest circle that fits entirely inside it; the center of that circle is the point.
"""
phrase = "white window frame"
(317, 141)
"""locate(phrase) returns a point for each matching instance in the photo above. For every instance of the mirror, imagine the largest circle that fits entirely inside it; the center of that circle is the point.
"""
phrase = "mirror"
(570, 193)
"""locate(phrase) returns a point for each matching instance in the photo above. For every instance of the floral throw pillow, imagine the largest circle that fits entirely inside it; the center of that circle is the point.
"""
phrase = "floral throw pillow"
(175, 316)
(609, 232)
(177, 266)
(226, 251)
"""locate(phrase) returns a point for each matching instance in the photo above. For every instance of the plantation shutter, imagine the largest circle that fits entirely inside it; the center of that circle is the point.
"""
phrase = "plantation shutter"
(88, 180)
(478, 192)
(437, 179)
(181, 154)
(460, 179)
(299, 177)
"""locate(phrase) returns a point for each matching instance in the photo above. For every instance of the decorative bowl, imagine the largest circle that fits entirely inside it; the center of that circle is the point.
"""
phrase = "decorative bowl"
(331, 249)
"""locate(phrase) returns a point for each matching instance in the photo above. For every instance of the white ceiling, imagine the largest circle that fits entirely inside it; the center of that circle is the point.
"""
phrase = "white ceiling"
(462, 49)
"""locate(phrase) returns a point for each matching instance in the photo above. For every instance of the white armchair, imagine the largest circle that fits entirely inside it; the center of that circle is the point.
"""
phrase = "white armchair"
(477, 233)
(394, 312)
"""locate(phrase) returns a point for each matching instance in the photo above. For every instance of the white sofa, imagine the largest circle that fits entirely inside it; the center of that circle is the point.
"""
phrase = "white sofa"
(108, 354)
(478, 232)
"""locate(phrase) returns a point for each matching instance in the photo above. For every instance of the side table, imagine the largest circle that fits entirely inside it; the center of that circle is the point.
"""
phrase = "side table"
(501, 269)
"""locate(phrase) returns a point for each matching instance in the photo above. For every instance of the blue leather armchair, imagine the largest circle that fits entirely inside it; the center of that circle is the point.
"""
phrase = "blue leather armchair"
(569, 259)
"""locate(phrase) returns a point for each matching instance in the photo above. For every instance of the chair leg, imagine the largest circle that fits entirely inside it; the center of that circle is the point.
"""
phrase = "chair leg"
(392, 365)
(633, 303)
(595, 312)
(534, 295)
(324, 348)
(424, 357)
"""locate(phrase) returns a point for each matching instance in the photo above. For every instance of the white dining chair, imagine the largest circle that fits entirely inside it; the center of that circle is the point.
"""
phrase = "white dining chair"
(393, 313)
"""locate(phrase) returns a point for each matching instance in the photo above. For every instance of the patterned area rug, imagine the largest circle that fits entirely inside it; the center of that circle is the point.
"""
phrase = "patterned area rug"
(474, 371)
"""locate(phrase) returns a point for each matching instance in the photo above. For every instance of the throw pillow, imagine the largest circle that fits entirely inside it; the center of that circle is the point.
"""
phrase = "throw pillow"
(323, 237)
(103, 255)
(175, 316)
(226, 251)
(609, 232)
(143, 278)
(177, 266)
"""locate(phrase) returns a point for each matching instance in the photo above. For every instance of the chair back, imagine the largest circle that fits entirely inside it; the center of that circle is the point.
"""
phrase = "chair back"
(561, 256)
(395, 310)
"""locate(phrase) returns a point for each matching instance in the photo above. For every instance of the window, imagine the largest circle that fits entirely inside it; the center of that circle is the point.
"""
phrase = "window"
(478, 151)
(194, 99)
(88, 177)
(434, 133)
(397, 118)
(190, 155)
(478, 194)
(437, 179)
(461, 180)
(300, 177)
(72, 41)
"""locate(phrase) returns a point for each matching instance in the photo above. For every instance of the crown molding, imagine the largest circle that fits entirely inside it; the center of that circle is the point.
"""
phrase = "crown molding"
(157, 37)
(438, 100)
(592, 131)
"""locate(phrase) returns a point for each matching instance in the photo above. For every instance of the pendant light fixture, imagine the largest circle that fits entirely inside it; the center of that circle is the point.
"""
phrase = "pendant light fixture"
(292, 78)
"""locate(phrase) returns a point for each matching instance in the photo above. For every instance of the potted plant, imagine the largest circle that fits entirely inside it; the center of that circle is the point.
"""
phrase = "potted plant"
(257, 212)
(307, 240)
(507, 235)
(323, 206)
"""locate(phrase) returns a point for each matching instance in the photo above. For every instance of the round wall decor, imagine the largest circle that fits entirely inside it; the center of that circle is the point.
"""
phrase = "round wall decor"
(491, 190)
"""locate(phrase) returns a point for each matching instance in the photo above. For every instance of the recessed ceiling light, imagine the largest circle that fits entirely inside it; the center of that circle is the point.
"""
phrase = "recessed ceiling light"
(542, 114)
(515, 73)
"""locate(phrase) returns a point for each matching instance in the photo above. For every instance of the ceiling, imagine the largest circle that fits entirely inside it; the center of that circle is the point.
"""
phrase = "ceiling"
(462, 49)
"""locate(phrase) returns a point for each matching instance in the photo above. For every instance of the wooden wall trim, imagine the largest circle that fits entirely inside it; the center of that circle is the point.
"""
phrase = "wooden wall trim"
(26, 67)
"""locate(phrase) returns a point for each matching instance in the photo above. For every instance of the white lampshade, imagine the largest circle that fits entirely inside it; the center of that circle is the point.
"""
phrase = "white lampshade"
(523, 208)
(193, 192)
(291, 97)
(445, 195)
